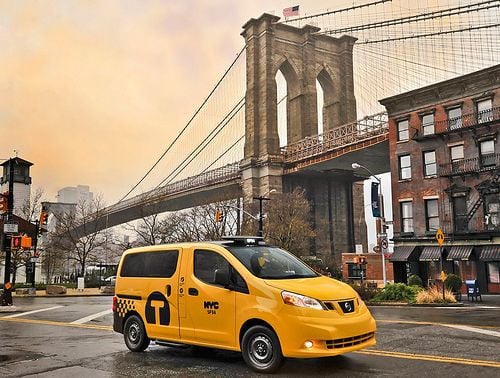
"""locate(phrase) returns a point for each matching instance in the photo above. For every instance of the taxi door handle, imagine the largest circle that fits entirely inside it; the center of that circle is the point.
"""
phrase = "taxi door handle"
(169, 290)
(192, 291)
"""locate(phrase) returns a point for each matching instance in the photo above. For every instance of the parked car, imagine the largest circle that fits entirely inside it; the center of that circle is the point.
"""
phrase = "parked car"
(110, 280)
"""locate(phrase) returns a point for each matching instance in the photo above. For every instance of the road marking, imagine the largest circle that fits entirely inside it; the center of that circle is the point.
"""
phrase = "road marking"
(32, 312)
(472, 329)
(92, 317)
(373, 352)
(59, 324)
(431, 323)
(426, 357)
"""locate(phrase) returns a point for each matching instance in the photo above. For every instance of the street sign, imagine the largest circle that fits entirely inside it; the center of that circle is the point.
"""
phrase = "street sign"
(376, 249)
(10, 228)
(384, 244)
(34, 259)
(440, 237)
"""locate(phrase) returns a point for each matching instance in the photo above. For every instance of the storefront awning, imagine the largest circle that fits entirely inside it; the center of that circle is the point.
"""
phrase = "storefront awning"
(490, 253)
(404, 253)
(460, 252)
(430, 254)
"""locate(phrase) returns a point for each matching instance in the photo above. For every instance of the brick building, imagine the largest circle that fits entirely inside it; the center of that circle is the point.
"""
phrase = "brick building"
(445, 174)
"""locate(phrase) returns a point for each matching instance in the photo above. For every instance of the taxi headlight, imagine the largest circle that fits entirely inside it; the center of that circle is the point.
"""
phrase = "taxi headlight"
(300, 300)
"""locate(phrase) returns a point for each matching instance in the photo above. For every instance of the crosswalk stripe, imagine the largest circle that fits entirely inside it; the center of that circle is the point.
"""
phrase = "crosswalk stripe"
(92, 317)
(32, 312)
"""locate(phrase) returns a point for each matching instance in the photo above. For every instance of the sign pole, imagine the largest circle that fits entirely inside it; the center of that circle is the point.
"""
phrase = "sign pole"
(7, 296)
(440, 240)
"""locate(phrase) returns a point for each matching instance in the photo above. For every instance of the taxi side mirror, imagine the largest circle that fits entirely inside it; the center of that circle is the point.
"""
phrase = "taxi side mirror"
(222, 278)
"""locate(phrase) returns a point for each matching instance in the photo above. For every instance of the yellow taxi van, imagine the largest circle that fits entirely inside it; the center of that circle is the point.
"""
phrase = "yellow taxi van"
(237, 294)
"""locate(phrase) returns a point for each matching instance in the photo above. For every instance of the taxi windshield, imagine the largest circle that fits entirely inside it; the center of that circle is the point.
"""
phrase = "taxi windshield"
(271, 262)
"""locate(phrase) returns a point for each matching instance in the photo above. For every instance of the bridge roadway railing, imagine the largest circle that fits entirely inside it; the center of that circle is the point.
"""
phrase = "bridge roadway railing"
(340, 137)
(215, 176)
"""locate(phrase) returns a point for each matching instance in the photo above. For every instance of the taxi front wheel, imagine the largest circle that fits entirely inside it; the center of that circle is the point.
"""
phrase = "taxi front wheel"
(135, 335)
(261, 349)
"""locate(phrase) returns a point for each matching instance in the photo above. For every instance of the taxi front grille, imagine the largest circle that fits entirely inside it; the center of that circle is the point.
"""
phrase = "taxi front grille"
(349, 341)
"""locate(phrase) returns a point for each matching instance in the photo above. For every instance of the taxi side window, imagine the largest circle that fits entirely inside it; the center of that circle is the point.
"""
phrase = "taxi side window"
(207, 262)
(160, 264)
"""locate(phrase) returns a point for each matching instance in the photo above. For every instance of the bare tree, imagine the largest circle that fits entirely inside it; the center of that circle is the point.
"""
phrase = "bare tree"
(29, 211)
(77, 232)
(194, 224)
(32, 207)
(288, 222)
(146, 231)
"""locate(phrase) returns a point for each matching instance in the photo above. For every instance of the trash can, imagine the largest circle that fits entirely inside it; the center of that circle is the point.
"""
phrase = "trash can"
(473, 292)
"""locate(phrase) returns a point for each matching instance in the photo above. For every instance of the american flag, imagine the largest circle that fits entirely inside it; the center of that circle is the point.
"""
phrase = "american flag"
(291, 11)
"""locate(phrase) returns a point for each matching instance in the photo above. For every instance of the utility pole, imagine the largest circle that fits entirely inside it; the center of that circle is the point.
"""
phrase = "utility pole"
(261, 216)
(7, 295)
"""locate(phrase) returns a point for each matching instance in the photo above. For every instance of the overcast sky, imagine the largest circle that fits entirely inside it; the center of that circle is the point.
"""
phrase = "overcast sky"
(91, 92)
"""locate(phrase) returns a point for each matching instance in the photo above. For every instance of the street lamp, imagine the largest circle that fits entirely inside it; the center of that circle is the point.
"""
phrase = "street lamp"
(381, 216)
(261, 216)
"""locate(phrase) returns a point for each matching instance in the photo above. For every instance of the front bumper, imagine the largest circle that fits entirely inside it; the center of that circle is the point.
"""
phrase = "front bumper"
(330, 336)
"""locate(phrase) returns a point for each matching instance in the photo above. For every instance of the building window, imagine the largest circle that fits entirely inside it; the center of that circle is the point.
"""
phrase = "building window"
(406, 216)
(457, 158)
(487, 151)
(454, 118)
(493, 268)
(428, 124)
(431, 215)
(460, 214)
(492, 216)
(430, 166)
(405, 167)
(484, 111)
(403, 132)
(356, 270)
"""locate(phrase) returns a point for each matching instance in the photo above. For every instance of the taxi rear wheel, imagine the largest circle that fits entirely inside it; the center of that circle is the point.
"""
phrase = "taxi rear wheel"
(135, 335)
(261, 349)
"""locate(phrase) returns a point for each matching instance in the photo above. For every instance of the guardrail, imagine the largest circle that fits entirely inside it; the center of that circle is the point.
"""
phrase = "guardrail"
(468, 120)
(342, 136)
(481, 163)
(215, 176)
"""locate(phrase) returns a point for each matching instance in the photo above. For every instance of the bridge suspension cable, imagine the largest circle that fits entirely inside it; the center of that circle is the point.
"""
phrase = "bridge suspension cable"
(226, 72)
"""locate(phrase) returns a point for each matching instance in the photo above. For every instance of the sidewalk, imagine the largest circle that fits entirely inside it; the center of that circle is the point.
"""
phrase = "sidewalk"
(92, 291)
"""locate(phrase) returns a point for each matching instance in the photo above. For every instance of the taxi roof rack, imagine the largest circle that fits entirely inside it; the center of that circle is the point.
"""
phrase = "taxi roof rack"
(244, 240)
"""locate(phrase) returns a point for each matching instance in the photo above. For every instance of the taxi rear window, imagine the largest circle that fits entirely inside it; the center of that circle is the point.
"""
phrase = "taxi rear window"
(160, 264)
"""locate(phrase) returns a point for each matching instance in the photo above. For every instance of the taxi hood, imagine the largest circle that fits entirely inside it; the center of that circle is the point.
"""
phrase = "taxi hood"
(322, 288)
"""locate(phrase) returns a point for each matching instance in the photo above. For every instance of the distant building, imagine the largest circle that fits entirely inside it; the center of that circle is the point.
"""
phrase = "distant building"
(22, 182)
(76, 194)
(445, 173)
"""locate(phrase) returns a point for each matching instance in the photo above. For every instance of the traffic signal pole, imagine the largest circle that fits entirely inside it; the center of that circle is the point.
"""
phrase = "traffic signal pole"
(6, 295)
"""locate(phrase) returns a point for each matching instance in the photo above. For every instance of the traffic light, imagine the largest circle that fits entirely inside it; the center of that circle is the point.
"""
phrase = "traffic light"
(15, 242)
(4, 202)
(44, 216)
(219, 216)
(25, 242)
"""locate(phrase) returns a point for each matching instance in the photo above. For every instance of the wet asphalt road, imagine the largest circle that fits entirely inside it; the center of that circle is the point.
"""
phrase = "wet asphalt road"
(73, 337)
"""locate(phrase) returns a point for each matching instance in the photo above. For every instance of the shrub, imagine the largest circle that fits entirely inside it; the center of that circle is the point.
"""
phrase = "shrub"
(435, 295)
(453, 283)
(366, 292)
(398, 292)
(415, 280)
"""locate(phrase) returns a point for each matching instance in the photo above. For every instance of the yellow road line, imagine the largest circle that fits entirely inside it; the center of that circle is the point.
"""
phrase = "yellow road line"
(373, 352)
(433, 323)
(58, 324)
(426, 357)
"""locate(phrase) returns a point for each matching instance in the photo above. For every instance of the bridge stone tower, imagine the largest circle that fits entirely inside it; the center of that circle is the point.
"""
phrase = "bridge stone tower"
(303, 56)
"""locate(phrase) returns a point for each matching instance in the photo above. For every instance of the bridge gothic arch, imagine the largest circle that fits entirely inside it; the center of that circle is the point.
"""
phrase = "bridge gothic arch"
(304, 57)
